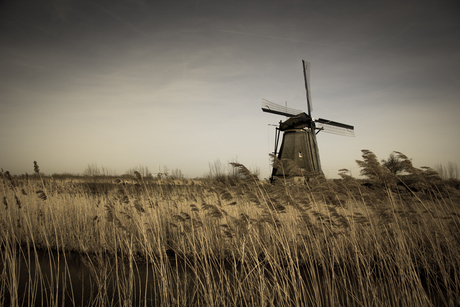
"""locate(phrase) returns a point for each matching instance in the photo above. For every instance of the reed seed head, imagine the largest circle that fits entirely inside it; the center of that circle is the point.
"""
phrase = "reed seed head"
(36, 168)
(41, 195)
(8, 176)
(138, 175)
(18, 202)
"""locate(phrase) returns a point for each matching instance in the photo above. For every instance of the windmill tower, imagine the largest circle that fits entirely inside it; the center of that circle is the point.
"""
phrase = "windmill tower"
(299, 135)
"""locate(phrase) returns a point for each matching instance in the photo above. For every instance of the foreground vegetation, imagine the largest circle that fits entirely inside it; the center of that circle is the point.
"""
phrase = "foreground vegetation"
(384, 241)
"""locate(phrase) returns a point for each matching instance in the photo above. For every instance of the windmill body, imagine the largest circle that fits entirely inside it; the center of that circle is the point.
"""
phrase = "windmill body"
(298, 145)
(298, 153)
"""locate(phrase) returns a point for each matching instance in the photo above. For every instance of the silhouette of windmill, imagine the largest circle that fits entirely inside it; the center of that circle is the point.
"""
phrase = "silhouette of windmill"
(299, 142)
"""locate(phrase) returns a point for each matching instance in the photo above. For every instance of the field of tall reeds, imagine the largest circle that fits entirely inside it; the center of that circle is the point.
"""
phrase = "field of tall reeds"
(384, 241)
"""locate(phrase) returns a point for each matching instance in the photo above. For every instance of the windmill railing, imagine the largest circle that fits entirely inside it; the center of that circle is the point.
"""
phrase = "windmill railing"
(275, 108)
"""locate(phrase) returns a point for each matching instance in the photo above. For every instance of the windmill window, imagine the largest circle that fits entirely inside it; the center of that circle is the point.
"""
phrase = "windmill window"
(300, 154)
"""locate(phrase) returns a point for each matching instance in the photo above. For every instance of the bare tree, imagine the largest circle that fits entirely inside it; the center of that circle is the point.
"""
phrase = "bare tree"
(105, 171)
(451, 171)
(176, 174)
(221, 171)
(92, 170)
(217, 169)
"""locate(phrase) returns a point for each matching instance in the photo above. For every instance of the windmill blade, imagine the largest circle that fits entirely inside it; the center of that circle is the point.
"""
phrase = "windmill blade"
(332, 123)
(306, 77)
(335, 130)
(275, 108)
(332, 127)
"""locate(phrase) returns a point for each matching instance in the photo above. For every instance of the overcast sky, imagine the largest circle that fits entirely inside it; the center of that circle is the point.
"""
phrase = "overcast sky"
(180, 83)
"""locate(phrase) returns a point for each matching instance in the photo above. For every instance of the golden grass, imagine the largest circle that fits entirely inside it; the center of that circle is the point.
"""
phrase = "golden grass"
(390, 241)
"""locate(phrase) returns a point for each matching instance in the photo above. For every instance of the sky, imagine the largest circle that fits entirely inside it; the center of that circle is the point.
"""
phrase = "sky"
(179, 84)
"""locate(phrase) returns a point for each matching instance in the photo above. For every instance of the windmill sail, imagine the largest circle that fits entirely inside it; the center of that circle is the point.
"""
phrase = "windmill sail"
(335, 130)
(332, 127)
(306, 76)
(298, 117)
(271, 107)
(336, 124)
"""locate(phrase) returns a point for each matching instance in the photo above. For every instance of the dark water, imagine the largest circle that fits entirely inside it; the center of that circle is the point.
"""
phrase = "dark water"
(71, 279)
(47, 278)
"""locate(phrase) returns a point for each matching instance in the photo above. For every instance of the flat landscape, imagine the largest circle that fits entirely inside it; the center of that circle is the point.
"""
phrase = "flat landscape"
(231, 241)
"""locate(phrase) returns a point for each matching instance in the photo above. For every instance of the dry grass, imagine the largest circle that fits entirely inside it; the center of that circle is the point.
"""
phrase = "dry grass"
(386, 241)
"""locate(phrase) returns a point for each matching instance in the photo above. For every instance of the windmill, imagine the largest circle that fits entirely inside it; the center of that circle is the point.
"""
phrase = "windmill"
(299, 134)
